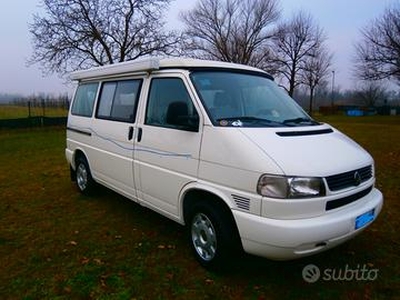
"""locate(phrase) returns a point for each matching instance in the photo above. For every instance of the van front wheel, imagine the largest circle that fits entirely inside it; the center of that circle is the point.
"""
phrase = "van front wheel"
(84, 179)
(212, 236)
(204, 237)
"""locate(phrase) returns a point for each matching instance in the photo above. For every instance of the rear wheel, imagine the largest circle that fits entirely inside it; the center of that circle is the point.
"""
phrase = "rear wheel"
(212, 235)
(84, 180)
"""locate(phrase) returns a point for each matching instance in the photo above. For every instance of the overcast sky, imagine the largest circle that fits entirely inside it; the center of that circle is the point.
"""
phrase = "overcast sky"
(341, 20)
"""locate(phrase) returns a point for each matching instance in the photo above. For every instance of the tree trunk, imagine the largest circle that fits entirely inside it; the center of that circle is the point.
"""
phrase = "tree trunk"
(311, 101)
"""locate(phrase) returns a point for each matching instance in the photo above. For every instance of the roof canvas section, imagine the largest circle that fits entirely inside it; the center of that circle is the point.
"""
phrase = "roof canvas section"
(145, 65)
(152, 64)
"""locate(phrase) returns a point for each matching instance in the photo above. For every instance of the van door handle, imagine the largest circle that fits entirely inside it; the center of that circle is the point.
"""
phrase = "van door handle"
(139, 135)
(130, 134)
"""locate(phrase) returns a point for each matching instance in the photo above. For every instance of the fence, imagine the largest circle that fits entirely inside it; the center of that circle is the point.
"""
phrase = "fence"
(22, 114)
(32, 122)
(355, 110)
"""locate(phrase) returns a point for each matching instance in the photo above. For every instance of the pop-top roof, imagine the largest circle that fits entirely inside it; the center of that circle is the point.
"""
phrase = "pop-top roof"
(152, 64)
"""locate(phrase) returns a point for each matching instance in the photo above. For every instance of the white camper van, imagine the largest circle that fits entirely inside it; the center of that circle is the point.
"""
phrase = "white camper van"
(220, 148)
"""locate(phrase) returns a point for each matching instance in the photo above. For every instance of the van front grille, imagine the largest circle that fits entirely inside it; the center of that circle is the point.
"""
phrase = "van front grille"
(349, 179)
(347, 200)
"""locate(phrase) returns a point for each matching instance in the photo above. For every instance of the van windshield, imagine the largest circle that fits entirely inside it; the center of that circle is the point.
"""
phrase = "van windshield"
(234, 99)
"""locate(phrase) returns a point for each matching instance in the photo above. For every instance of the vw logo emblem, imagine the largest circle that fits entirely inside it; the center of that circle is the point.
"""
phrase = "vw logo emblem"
(357, 179)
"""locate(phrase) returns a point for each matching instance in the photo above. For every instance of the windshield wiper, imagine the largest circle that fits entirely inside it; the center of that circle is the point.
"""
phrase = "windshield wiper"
(251, 119)
(301, 121)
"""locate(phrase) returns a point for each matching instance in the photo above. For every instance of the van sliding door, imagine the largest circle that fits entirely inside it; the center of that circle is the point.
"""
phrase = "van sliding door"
(113, 132)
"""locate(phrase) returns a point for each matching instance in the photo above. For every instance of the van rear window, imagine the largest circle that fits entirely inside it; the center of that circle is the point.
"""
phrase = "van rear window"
(84, 99)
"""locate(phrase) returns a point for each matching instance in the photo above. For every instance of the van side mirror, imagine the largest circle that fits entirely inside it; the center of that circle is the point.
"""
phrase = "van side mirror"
(178, 116)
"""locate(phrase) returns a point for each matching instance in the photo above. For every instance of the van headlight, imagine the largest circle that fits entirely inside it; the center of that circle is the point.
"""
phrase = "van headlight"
(283, 187)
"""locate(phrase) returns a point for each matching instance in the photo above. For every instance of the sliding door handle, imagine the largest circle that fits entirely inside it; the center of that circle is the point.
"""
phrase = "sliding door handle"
(130, 134)
(139, 136)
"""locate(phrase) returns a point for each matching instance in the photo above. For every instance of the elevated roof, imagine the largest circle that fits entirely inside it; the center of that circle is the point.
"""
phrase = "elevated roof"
(153, 64)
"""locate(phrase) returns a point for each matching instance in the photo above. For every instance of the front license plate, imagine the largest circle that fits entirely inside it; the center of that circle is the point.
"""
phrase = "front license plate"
(364, 219)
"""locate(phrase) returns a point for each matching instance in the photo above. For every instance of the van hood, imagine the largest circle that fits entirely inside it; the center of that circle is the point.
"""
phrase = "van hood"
(309, 151)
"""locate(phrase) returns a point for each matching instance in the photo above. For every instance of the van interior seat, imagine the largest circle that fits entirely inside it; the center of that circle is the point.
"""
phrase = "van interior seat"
(175, 111)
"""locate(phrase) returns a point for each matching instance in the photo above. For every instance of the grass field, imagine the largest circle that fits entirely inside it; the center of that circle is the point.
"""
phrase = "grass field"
(16, 112)
(57, 244)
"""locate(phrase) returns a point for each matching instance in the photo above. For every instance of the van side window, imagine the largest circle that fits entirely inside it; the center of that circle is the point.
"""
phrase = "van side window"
(169, 105)
(118, 100)
(84, 99)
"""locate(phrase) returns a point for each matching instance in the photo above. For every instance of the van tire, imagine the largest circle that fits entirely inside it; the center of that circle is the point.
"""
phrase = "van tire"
(212, 235)
(84, 180)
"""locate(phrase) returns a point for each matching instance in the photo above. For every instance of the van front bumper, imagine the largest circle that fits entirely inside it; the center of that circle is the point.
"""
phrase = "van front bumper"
(291, 239)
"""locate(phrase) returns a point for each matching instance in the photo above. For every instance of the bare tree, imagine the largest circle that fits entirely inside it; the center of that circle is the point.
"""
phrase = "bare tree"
(83, 33)
(231, 30)
(295, 41)
(371, 94)
(315, 70)
(378, 51)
